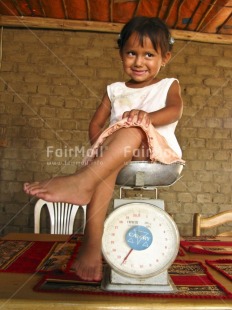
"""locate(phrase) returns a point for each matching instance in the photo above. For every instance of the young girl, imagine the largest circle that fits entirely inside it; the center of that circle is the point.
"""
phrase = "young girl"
(142, 110)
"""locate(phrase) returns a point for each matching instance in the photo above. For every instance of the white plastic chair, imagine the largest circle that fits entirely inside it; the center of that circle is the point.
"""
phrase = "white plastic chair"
(62, 216)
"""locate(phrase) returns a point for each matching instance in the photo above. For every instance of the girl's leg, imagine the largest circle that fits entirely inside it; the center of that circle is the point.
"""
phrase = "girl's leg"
(79, 188)
(88, 264)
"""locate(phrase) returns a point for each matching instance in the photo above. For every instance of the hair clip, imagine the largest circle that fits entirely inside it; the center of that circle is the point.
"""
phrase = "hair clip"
(171, 40)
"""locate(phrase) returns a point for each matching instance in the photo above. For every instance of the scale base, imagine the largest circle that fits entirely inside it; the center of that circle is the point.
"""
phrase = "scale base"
(161, 283)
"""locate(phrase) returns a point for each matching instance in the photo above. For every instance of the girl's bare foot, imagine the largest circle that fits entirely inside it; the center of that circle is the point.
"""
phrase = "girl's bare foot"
(88, 264)
(69, 189)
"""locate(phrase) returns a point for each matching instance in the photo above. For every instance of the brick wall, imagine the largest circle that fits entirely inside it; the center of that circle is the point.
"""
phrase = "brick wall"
(51, 83)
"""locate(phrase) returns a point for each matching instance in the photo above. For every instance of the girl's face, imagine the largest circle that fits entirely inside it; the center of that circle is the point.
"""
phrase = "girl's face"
(142, 63)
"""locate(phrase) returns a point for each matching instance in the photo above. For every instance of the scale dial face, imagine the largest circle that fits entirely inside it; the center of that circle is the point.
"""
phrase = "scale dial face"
(140, 240)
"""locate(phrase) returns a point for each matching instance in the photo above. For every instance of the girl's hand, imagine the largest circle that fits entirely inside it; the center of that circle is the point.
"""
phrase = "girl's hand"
(137, 116)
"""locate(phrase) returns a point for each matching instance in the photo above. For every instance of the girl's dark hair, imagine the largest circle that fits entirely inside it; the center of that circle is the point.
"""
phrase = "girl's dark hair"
(152, 27)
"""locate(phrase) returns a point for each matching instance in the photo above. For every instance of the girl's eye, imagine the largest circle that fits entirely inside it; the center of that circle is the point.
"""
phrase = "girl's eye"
(149, 55)
(130, 53)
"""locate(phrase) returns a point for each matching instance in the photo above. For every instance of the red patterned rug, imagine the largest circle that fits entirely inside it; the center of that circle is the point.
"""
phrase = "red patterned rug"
(207, 247)
(35, 256)
(191, 278)
(224, 266)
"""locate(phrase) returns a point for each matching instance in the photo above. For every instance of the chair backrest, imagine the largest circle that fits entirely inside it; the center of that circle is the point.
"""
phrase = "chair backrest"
(200, 222)
(62, 217)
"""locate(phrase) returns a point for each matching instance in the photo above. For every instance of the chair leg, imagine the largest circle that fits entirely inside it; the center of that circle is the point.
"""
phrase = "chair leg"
(84, 218)
(196, 224)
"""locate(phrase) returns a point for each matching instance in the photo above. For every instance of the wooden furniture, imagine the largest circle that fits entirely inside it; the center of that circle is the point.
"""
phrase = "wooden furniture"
(17, 290)
(200, 222)
(62, 217)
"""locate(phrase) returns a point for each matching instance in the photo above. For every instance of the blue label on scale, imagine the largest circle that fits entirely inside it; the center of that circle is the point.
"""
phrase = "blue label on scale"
(139, 238)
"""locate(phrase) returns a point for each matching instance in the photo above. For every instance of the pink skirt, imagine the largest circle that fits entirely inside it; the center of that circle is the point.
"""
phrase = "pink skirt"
(159, 149)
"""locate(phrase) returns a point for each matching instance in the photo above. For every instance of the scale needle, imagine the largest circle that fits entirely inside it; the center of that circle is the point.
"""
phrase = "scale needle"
(126, 256)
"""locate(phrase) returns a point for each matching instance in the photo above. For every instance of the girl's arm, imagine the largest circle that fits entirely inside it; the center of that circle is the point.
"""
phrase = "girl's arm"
(171, 113)
(99, 119)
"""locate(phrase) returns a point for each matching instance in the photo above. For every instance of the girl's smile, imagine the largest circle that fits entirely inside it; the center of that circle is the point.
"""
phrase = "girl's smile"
(138, 72)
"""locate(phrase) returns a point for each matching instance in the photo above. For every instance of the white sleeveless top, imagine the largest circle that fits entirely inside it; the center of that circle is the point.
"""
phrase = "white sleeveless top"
(149, 98)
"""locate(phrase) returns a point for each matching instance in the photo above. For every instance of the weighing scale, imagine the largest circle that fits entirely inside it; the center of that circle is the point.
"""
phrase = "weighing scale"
(139, 244)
